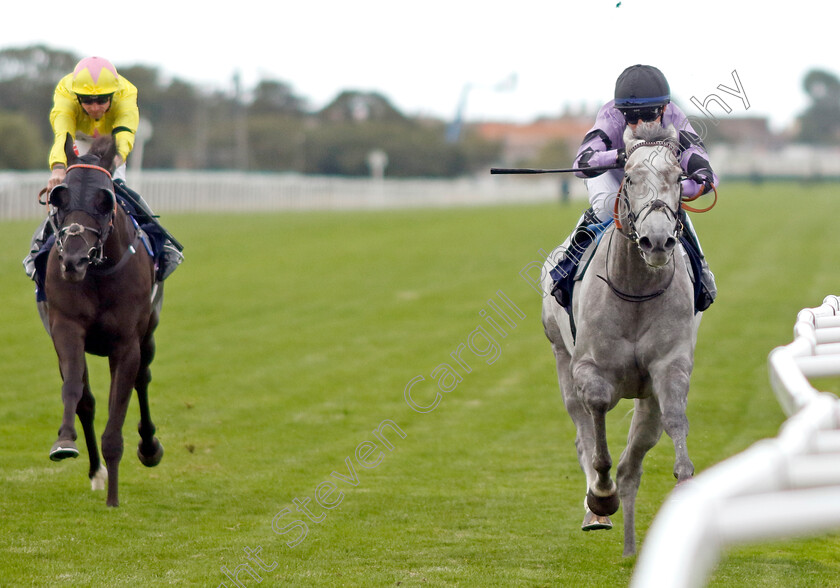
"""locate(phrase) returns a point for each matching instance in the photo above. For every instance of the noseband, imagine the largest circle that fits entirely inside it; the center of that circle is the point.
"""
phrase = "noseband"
(94, 254)
(633, 218)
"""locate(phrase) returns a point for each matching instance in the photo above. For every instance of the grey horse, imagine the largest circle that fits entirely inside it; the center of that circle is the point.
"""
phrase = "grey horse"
(636, 330)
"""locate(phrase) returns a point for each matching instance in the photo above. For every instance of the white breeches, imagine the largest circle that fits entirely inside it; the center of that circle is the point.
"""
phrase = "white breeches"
(603, 191)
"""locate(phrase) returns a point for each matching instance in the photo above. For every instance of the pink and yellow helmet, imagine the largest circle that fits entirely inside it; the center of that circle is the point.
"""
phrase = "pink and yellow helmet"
(94, 76)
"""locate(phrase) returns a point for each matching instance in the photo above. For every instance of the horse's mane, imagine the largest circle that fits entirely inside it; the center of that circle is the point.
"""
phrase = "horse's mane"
(653, 132)
(99, 149)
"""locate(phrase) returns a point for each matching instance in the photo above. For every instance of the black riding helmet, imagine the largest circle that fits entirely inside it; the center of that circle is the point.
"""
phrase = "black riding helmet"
(641, 86)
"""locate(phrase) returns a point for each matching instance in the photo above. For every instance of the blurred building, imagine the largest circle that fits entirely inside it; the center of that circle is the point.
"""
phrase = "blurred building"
(523, 143)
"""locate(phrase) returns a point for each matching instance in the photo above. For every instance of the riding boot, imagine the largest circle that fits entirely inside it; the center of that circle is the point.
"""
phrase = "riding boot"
(40, 237)
(573, 249)
(169, 256)
(707, 291)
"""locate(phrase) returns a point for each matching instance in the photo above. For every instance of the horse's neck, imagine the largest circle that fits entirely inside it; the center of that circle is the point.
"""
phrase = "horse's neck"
(122, 235)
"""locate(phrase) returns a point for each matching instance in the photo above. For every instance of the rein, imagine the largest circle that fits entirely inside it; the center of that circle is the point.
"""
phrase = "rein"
(700, 192)
(634, 297)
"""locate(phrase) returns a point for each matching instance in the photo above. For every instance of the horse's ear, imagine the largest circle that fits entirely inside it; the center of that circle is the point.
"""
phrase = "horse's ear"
(59, 196)
(104, 202)
(672, 132)
(70, 150)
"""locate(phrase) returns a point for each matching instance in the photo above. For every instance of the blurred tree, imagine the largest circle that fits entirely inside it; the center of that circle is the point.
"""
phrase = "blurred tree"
(274, 97)
(352, 105)
(277, 143)
(28, 77)
(197, 129)
(21, 146)
(413, 149)
(820, 123)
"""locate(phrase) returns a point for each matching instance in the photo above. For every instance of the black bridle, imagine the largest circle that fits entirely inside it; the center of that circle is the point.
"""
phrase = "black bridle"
(94, 255)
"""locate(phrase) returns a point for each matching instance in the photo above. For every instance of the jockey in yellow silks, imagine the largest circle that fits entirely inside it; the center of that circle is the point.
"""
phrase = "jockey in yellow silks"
(92, 101)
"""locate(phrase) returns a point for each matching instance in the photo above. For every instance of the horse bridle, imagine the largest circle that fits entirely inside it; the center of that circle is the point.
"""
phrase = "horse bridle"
(95, 253)
(632, 235)
(654, 205)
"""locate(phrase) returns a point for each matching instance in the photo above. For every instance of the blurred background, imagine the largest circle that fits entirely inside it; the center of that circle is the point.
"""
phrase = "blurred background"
(321, 104)
(269, 126)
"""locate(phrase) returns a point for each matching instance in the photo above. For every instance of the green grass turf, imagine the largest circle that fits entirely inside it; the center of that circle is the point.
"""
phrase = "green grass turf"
(286, 339)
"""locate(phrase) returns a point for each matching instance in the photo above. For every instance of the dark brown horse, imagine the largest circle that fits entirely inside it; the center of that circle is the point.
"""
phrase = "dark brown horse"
(99, 282)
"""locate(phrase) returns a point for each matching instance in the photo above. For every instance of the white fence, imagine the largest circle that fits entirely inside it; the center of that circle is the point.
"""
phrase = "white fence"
(778, 488)
(243, 192)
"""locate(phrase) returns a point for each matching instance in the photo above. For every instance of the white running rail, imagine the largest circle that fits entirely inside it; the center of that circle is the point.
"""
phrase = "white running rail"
(778, 488)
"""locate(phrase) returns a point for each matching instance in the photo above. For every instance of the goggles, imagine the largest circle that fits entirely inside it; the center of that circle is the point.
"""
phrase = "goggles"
(94, 99)
(645, 114)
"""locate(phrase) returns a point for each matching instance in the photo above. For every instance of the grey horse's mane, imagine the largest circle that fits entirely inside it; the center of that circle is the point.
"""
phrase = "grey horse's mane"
(654, 132)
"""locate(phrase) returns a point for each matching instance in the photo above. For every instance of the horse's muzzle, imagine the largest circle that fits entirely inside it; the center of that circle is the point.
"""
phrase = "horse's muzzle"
(74, 270)
(657, 250)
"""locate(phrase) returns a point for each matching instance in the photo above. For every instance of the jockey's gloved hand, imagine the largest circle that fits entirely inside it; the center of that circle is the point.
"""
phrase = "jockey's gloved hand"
(621, 156)
(692, 185)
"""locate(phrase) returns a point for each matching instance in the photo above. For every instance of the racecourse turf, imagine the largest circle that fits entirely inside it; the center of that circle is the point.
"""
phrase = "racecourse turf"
(286, 347)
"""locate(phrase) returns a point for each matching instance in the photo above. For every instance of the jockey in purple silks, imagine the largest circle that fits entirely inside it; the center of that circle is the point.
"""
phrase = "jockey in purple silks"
(642, 96)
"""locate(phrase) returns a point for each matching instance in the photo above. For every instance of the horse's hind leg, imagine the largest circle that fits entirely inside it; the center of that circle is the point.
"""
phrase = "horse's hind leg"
(86, 410)
(645, 431)
(124, 363)
(149, 450)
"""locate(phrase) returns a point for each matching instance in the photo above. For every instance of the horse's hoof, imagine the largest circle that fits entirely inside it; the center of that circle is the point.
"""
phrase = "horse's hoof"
(62, 449)
(152, 460)
(593, 522)
(97, 480)
(602, 506)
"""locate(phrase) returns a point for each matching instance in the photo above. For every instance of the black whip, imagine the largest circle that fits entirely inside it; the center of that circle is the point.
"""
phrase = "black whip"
(526, 170)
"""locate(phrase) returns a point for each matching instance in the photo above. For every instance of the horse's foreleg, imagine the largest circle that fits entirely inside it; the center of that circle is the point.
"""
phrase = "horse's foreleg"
(149, 450)
(596, 394)
(584, 434)
(69, 345)
(672, 390)
(645, 431)
(124, 365)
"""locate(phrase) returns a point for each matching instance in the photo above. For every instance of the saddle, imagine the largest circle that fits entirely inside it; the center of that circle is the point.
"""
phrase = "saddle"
(576, 258)
(582, 247)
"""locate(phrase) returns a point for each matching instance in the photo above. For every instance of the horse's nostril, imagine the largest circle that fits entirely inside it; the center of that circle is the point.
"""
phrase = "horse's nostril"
(645, 244)
(670, 243)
